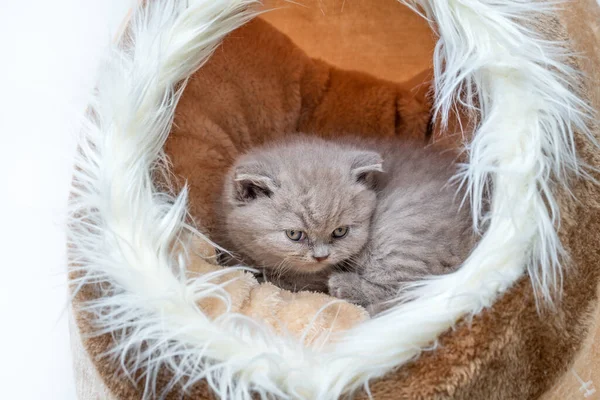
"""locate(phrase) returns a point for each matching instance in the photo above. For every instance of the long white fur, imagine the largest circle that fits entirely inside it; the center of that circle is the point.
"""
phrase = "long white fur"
(122, 228)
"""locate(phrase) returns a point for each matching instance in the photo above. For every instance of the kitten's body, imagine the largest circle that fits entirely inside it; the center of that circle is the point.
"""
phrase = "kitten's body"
(404, 223)
(418, 228)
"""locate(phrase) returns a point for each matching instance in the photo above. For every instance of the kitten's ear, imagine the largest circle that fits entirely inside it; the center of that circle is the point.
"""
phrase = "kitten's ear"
(250, 181)
(365, 165)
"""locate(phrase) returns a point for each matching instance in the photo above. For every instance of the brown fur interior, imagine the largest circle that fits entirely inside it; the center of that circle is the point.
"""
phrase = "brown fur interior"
(227, 109)
(259, 86)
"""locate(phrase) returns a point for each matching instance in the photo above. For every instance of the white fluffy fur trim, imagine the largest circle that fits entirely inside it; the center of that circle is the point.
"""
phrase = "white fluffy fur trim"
(122, 228)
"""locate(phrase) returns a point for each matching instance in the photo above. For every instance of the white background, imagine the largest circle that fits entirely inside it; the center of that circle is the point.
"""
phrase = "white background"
(49, 52)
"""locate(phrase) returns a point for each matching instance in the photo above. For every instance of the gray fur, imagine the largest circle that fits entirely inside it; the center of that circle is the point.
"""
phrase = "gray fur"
(405, 222)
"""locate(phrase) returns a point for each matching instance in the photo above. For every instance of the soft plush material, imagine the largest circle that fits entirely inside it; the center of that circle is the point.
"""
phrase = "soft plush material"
(308, 316)
(254, 99)
(259, 86)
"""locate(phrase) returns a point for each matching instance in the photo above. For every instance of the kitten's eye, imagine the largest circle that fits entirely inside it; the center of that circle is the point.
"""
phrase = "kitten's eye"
(296, 236)
(340, 232)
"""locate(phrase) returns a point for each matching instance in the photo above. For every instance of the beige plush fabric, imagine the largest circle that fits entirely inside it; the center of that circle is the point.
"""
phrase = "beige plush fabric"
(381, 37)
(582, 381)
(88, 383)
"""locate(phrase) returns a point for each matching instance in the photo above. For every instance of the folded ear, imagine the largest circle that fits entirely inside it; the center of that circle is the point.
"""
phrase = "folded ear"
(365, 164)
(251, 181)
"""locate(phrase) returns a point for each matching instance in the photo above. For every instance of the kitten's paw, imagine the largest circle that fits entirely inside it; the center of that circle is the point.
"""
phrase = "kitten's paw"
(378, 308)
(345, 286)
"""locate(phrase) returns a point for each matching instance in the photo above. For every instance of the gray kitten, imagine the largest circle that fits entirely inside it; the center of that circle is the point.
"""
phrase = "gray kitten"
(355, 218)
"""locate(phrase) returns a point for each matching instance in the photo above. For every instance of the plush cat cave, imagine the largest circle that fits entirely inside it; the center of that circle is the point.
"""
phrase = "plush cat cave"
(193, 84)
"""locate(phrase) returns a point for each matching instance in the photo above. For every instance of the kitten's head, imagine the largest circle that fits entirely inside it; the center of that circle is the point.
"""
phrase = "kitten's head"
(301, 206)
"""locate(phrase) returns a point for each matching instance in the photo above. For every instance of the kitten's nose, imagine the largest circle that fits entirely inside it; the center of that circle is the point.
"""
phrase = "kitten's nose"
(322, 258)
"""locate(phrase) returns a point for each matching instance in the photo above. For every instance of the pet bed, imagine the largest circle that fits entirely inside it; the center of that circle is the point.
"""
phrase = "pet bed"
(508, 324)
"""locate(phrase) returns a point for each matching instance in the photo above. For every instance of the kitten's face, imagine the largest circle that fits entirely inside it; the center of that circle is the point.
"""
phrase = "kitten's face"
(301, 207)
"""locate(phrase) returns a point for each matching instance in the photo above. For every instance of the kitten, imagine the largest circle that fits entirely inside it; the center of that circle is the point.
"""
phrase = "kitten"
(355, 218)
